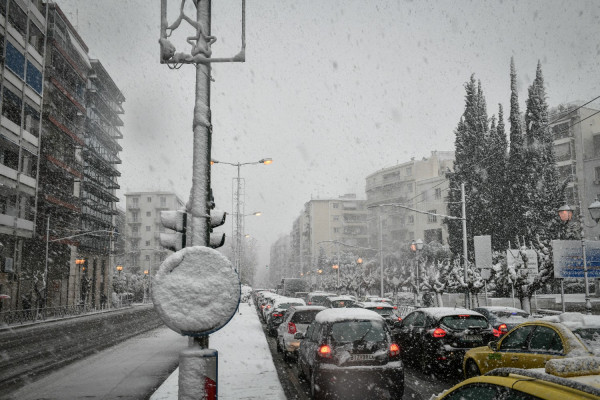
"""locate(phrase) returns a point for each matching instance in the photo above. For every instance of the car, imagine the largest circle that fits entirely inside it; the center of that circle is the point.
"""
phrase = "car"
(274, 316)
(437, 338)
(585, 327)
(376, 299)
(339, 302)
(529, 345)
(350, 350)
(317, 298)
(386, 310)
(267, 304)
(296, 320)
(503, 319)
(574, 379)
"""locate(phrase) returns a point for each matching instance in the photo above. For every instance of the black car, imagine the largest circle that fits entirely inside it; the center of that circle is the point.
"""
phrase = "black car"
(503, 319)
(386, 310)
(349, 351)
(437, 338)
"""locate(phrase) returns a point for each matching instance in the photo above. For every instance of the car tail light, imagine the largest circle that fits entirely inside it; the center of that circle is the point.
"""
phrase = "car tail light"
(439, 332)
(277, 315)
(395, 308)
(262, 306)
(325, 351)
(496, 332)
(291, 328)
(394, 350)
(399, 319)
(463, 316)
(309, 303)
(269, 306)
(503, 328)
(379, 308)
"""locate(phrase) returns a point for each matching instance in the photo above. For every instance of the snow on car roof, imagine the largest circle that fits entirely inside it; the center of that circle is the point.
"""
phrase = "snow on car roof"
(331, 315)
(284, 300)
(575, 320)
(374, 304)
(440, 312)
(336, 298)
(308, 308)
(502, 308)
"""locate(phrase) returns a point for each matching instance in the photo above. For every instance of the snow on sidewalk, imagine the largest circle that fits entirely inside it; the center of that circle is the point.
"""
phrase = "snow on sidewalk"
(246, 369)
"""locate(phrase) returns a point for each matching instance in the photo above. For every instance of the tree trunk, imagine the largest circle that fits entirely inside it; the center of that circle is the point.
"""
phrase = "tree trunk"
(439, 300)
(525, 303)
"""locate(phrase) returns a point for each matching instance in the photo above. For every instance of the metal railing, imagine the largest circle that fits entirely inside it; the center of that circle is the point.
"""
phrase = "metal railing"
(14, 317)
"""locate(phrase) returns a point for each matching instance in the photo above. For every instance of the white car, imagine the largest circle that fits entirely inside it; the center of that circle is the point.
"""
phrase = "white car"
(297, 320)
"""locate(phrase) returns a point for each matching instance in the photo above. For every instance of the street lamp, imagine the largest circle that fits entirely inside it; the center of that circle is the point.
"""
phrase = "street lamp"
(415, 247)
(145, 285)
(337, 268)
(238, 214)
(566, 214)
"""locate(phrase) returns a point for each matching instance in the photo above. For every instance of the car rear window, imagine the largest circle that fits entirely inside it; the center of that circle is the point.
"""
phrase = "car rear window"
(382, 310)
(285, 306)
(341, 303)
(507, 314)
(304, 317)
(318, 299)
(464, 321)
(352, 331)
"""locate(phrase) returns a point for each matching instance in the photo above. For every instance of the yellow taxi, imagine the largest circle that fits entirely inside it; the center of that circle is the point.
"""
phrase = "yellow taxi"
(529, 345)
(527, 384)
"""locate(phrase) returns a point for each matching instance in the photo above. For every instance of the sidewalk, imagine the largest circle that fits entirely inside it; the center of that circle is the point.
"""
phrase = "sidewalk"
(246, 369)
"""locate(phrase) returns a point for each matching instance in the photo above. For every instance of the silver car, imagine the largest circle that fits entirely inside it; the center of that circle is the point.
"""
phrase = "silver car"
(297, 319)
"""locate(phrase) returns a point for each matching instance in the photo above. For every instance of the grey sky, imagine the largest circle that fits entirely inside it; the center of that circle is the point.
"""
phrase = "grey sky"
(331, 90)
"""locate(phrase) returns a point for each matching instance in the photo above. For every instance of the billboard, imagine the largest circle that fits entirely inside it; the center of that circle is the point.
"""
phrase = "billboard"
(568, 258)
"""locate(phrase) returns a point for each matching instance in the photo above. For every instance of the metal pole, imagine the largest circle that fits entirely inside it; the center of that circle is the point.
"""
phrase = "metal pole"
(588, 303)
(381, 252)
(238, 233)
(464, 227)
(562, 294)
(417, 280)
(46, 264)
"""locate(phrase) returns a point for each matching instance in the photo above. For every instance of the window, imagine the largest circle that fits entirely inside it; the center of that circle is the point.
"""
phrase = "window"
(34, 78)
(438, 193)
(148, 213)
(335, 205)
(424, 195)
(147, 243)
(17, 17)
(409, 188)
(149, 199)
(597, 178)
(545, 339)
(9, 153)
(36, 37)
(411, 219)
(336, 217)
(32, 120)
(134, 229)
(596, 145)
(163, 201)
(135, 200)
(336, 230)
(408, 171)
(148, 228)
(15, 60)
(134, 216)
(147, 257)
(432, 218)
(517, 339)
(11, 106)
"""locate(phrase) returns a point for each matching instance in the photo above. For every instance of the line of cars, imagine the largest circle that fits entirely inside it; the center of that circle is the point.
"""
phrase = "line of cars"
(332, 344)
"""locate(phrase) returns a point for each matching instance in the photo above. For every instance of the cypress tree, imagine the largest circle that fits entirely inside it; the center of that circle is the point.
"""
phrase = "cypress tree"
(496, 183)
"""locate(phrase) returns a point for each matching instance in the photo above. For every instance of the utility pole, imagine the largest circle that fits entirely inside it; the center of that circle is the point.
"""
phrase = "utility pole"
(464, 228)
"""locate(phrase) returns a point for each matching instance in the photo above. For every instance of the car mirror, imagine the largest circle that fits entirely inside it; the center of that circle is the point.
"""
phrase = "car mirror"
(493, 345)
(299, 335)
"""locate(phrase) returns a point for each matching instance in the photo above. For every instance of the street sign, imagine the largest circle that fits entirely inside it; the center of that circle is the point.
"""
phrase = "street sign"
(196, 291)
(568, 258)
(483, 251)
(513, 258)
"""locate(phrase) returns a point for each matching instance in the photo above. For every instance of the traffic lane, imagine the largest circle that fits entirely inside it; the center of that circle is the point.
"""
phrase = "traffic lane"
(133, 369)
(417, 385)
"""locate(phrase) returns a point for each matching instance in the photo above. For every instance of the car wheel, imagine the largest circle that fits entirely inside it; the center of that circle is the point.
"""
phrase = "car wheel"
(471, 369)
(316, 393)
(278, 346)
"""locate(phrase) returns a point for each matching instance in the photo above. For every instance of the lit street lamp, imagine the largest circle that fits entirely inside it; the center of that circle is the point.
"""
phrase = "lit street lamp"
(566, 214)
(337, 268)
(238, 213)
(415, 247)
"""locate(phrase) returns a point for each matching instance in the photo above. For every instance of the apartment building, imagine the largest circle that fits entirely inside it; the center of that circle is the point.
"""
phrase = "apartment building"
(58, 168)
(326, 225)
(576, 135)
(143, 226)
(420, 185)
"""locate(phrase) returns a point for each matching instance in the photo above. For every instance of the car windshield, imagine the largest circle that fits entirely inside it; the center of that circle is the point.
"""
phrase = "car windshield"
(352, 331)
(459, 322)
(508, 314)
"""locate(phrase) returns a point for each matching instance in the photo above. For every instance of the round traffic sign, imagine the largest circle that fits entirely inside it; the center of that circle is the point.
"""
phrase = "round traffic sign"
(196, 291)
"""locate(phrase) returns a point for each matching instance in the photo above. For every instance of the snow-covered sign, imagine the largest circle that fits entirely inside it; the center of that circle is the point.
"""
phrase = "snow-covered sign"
(513, 258)
(483, 251)
(568, 258)
(196, 291)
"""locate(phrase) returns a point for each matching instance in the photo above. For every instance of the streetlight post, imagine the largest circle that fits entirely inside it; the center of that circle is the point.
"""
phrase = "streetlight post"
(120, 268)
(238, 213)
(145, 285)
(415, 247)
(566, 214)
(337, 268)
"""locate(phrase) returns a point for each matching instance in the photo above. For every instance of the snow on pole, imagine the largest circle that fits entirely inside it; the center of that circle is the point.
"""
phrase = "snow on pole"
(198, 365)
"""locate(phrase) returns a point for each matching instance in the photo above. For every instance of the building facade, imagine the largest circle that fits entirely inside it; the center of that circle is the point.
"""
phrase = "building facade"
(63, 168)
(143, 226)
(576, 135)
(417, 184)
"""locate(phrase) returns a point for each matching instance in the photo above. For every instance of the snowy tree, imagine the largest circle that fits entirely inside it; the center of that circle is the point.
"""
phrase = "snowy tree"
(496, 190)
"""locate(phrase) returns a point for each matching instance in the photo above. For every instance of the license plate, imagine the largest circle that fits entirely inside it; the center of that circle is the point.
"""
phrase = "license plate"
(472, 338)
(362, 357)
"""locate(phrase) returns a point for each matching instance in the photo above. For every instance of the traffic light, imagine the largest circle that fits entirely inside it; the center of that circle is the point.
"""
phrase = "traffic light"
(177, 221)
(217, 218)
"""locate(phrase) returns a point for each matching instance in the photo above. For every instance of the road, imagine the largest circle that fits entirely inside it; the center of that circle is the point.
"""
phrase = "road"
(417, 385)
